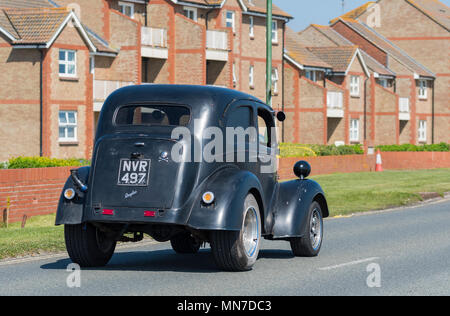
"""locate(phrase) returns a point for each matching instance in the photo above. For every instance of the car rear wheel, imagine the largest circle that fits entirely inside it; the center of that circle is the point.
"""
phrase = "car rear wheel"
(88, 246)
(310, 244)
(185, 244)
(238, 250)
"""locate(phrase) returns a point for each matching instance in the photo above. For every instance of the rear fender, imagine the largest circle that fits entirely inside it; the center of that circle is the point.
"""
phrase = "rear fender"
(71, 212)
(230, 187)
(294, 200)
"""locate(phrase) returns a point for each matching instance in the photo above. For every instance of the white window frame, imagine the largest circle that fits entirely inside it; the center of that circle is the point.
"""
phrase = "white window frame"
(231, 20)
(422, 131)
(404, 105)
(423, 92)
(66, 125)
(274, 32)
(354, 130)
(311, 75)
(275, 79)
(251, 76)
(251, 31)
(189, 11)
(67, 63)
(355, 86)
(124, 5)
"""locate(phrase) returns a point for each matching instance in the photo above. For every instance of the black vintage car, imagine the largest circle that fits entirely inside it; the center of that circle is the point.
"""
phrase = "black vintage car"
(148, 176)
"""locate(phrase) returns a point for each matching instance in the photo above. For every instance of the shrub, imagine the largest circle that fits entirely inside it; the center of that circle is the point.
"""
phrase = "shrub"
(409, 147)
(298, 150)
(44, 162)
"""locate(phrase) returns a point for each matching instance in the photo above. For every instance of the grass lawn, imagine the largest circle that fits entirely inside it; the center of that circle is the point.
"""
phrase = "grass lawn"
(39, 235)
(359, 192)
(346, 194)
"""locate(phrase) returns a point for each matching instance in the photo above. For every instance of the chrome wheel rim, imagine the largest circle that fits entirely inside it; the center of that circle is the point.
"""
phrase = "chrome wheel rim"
(251, 231)
(316, 229)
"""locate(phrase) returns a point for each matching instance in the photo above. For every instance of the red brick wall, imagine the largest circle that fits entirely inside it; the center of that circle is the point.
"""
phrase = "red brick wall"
(363, 163)
(31, 191)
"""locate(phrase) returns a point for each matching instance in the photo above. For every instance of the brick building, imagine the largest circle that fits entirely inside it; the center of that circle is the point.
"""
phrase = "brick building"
(420, 28)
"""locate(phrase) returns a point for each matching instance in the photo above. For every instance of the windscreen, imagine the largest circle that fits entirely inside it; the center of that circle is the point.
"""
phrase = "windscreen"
(153, 115)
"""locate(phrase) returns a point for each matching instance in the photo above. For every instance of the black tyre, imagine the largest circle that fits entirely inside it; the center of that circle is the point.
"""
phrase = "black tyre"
(185, 244)
(238, 250)
(310, 244)
(88, 246)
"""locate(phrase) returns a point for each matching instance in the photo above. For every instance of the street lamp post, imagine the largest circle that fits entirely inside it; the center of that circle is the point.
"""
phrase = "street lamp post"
(269, 54)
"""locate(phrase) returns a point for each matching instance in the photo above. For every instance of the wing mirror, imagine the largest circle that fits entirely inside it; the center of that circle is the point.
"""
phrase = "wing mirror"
(302, 169)
(281, 116)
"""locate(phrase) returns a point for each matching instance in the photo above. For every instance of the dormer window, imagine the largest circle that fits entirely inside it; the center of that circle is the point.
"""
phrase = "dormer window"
(127, 9)
(190, 13)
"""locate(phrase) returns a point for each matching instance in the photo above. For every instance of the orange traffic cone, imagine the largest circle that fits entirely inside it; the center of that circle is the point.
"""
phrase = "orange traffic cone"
(379, 165)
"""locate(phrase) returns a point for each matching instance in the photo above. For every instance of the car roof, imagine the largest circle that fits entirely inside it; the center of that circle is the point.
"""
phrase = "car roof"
(197, 97)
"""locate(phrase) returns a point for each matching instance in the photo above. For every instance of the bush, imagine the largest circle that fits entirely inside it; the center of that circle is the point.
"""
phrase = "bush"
(4, 165)
(44, 162)
(409, 147)
(298, 150)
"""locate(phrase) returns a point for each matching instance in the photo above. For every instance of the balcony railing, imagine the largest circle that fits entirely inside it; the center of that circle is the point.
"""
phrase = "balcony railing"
(404, 110)
(103, 88)
(335, 104)
(217, 40)
(154, 37)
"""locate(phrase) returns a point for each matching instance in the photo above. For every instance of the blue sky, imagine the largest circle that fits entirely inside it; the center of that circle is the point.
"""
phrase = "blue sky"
(306, 12)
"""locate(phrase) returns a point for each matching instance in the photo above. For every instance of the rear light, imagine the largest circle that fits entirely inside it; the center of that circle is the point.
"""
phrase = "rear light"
(149, 214)
(108, 212)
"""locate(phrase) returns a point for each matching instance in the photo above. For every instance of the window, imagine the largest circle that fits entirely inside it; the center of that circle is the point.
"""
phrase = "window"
(354, 130)
(354, 86)
(67, 126)
(265, 123)
(423, 89)
(240, 117)
(252, 27)
(230, 20)
(274, 32)
(127, 9)
(251, 76)
(404, 105)
(422, 131)
(190, 13)
(311, 75)
(67, 63)
(275, 79)
(383, 82)
(163, 115)
(234, 75)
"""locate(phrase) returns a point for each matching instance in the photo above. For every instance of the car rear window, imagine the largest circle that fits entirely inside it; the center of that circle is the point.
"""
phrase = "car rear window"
(154, 115)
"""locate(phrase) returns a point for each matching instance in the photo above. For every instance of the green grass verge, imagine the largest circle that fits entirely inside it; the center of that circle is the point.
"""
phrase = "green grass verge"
(346, 194)
(360, 192)
(39, 235)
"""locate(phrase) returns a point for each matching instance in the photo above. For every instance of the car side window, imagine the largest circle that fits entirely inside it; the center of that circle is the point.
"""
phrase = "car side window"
(240, 117)
(265, 123)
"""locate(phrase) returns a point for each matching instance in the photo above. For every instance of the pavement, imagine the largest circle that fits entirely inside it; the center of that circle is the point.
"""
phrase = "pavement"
(399, 252)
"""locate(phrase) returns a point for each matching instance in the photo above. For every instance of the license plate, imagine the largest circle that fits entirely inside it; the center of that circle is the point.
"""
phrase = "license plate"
(134, 172)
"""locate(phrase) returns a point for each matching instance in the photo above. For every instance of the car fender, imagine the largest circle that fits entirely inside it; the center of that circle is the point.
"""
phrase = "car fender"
(294, 200)
(71, 212)
(230, 187)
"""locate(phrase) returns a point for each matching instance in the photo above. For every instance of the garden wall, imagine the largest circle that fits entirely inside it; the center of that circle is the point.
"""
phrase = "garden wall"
(36, 191)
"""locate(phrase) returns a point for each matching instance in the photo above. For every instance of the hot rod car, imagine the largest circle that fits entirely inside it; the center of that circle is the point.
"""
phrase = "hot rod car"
(147, 177)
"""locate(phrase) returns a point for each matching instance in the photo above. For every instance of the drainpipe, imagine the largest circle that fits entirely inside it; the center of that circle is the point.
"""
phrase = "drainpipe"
(146, 11)
(282, 76)
(269, 54)
(41, 103)
(207, 17)
(432, 112)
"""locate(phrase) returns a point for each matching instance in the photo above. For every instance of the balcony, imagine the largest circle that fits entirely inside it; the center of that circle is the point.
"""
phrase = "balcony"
(217, 45)
(103, 88)
(404, 111)
(335, 104)
(154, 43)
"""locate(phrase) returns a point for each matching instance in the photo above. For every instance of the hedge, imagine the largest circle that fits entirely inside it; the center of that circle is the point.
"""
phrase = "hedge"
(42, 162)
(409, 147)
(299, 150)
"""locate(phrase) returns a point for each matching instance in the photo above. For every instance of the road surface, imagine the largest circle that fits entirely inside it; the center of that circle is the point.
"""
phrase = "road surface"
(402, 252)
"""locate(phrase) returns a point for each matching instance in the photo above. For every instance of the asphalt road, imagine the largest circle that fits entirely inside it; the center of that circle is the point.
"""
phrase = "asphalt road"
(407, 252)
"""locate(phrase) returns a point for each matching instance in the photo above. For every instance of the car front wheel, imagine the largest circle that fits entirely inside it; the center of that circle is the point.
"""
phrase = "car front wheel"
(238, 250)
(88, 246)
(310, 244)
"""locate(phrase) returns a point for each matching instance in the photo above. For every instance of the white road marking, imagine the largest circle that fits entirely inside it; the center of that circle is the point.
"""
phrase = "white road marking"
(353, 263)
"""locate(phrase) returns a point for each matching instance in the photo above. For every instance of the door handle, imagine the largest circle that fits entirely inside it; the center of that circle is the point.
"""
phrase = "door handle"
(139, 144)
